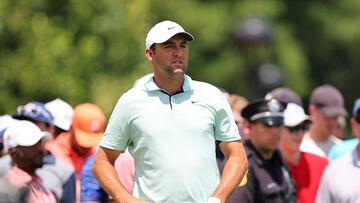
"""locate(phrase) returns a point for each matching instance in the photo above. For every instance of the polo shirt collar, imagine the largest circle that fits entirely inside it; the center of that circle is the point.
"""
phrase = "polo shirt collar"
(150, 85)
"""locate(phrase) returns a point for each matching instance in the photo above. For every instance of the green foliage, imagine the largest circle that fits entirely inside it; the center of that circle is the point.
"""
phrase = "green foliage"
(93, 51)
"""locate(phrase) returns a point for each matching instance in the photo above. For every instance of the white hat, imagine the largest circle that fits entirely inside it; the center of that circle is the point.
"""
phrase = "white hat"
(6, 121)
(23, 133)
(294, 115)
(62, 113)
(163, 31)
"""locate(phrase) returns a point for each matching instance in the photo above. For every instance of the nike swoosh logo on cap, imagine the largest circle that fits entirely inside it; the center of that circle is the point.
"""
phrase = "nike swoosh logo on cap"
(169, 28)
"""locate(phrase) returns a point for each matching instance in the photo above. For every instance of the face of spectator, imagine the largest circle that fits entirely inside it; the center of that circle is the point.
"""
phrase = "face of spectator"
(45, 127)
(29, 158)
(240, 123)
(291, 137)
(324, 125)
(80, 150)
(265, 138)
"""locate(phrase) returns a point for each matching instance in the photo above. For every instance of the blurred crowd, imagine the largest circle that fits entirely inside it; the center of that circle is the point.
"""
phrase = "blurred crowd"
(296, 153)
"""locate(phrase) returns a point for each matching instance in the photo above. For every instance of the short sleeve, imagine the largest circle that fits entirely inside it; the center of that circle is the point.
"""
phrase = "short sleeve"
(116, 135)
(225, 127)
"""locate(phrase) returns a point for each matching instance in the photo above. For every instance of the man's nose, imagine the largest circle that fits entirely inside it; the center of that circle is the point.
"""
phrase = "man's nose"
(275, 129)
(178, 50)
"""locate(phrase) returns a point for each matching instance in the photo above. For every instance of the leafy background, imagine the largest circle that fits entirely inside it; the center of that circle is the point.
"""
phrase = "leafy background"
(93, 50)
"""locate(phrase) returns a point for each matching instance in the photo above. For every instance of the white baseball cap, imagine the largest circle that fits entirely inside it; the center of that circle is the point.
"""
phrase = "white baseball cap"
(6, 121)
(23, 133)
(294, 115)
(62, 113)
(163, 31)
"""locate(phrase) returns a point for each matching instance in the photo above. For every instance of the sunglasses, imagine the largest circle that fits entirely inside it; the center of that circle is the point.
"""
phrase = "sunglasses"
(295, 129)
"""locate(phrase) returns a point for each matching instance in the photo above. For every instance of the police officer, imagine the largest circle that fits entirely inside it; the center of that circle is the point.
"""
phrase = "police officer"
(268, 178)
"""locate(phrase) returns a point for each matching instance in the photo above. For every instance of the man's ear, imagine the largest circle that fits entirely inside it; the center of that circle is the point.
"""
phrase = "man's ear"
(149, 54)
(14, 153)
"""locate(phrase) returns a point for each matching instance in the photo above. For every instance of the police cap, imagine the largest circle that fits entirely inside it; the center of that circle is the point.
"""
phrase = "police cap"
(269, 112)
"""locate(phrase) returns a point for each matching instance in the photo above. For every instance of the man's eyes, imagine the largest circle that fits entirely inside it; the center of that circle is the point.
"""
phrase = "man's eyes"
(173, 46)
(168, 46)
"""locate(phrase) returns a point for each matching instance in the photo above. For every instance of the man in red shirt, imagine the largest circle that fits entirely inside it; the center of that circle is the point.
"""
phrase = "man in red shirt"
(306, 169)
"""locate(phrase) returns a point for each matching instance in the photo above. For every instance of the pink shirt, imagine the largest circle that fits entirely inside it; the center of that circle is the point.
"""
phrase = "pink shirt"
(125, 169)
(37, 192)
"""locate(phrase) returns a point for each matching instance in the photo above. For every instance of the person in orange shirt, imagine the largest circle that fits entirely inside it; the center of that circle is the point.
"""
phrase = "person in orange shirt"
(81, 141)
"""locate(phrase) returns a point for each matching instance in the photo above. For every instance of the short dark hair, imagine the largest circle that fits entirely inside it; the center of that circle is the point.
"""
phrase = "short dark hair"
(152, 47)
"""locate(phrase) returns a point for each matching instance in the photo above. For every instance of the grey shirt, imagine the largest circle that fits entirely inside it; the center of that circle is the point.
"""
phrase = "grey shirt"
(340, 182)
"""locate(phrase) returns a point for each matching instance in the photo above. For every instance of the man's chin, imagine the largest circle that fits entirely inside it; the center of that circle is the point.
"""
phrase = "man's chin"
(177, 73)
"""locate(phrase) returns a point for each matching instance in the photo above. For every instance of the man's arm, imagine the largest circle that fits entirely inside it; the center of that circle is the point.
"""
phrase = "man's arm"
(104, 171)
(234, 169)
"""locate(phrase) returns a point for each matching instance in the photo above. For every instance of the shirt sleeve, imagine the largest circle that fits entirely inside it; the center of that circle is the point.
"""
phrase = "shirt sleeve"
(225, 128)
(116, 135)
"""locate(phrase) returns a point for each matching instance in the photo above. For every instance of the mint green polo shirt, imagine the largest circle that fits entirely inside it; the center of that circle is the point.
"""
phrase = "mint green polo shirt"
(172, 139)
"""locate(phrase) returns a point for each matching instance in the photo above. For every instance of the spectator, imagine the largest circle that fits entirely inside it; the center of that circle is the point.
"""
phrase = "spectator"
(340, 182)
(170, 125)
(306, 169)
(325, 106)
(268, 179)
(58, 176)
(80, 142)
(36, 112)
(62, 113)
(348, 145)
(25, 144)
